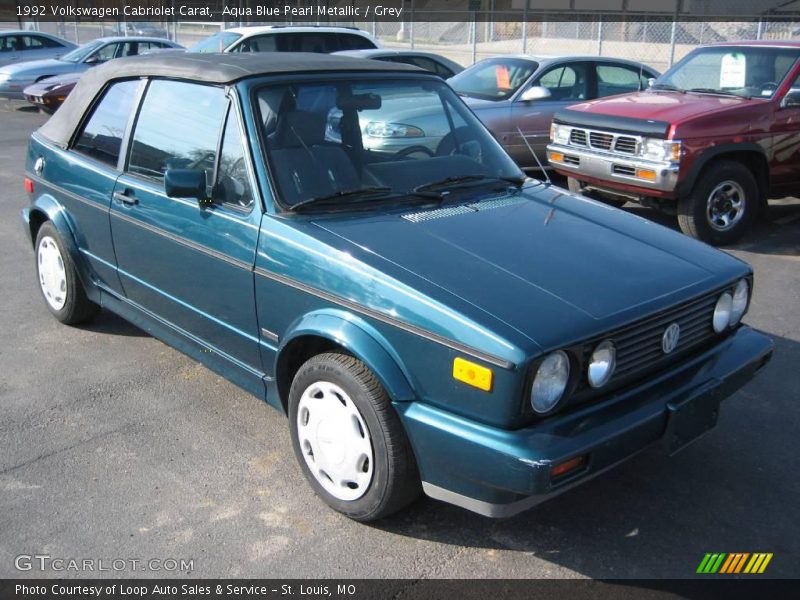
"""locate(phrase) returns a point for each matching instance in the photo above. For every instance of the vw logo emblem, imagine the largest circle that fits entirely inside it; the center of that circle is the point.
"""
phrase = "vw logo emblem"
(670, 338)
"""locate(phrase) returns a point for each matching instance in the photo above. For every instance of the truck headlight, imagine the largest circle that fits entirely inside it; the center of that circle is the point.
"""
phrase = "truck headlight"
(741, 295)
(559, 133)
(661, 150)
(602, 364)
(550, 382)
(722, 312)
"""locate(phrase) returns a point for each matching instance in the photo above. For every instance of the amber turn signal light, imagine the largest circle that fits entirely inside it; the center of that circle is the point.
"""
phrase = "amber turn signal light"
(568, 466)
(556, 157)
(472, 374)
(646, 174)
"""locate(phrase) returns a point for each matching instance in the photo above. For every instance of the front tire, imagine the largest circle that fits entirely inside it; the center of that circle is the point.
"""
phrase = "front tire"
(576, 187)
(348, 440)
(59, 283)
(721, 206)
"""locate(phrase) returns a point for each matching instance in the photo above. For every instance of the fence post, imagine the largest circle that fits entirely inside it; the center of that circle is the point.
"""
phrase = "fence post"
(474, 34)
(672, 43)
(759, 33)
(77, 33)
(411, 25)
(600, 36)
(525, 28)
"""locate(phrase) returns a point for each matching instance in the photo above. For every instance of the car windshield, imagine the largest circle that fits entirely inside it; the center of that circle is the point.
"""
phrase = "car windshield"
(216, 43)
(81, 52)
(494, 79)
(745, 71)
(335, 144)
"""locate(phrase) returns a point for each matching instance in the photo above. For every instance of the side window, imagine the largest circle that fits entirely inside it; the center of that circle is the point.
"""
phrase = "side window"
(233, 181)
(101, 137)
(11, 43)
(618, 79)
(178, 127)
(309, 42)
(567, 82)
(350, 41)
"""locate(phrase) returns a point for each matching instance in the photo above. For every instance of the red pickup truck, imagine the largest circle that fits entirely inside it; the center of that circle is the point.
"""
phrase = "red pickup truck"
(712, 139)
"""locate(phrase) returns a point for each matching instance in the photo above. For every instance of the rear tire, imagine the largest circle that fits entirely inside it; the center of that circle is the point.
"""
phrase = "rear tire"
(722, 205)
(576, 187)
(348, 439)
(59, 283)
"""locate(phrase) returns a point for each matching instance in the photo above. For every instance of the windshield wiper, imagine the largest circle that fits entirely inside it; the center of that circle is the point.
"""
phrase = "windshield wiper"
(715, 91)
(447, 181)
(668, 87)
(366, 193)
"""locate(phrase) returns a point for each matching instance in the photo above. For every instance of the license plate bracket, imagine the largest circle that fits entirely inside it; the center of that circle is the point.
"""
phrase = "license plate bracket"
(691, 418)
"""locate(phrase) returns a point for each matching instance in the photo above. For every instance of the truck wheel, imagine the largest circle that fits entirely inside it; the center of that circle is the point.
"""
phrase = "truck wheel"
(348, 440)
(722, 205)
(58, 278)
(576, 187)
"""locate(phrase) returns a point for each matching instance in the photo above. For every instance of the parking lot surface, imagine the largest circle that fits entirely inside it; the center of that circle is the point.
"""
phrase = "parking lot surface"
(115, 446)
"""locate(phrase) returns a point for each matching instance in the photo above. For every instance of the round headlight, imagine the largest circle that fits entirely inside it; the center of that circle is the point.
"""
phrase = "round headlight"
(601, 364)
(739, 302)
(722, 312)
(550, 382)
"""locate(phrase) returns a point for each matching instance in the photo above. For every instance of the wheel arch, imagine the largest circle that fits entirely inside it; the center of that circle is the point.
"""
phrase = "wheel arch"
(750, 155)
(47, 209)
(332, 329)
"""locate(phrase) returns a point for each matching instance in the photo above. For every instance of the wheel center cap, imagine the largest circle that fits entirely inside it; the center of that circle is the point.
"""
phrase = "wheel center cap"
(331, 441)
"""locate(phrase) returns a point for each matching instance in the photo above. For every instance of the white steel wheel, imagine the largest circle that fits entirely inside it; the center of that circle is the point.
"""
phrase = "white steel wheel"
(52, 274)
(334, 441)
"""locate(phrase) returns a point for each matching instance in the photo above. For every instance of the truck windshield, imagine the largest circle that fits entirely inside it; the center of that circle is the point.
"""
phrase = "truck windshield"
(745, 71)
(339, 144)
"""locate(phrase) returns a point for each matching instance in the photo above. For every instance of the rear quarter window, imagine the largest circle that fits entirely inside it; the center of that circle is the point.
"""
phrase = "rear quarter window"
(101, 136)
(351, 41)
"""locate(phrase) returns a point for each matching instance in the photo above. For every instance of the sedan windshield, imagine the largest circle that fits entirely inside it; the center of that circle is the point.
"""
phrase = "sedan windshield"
(81, 52)
(337, 144)
(745, 71)
(216, 43)
(493, 79)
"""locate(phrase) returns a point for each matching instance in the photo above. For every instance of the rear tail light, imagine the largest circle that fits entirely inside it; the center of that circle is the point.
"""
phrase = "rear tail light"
(29, 185)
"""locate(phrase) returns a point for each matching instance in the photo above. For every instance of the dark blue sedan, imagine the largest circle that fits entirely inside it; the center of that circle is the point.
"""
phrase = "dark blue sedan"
(428, 320)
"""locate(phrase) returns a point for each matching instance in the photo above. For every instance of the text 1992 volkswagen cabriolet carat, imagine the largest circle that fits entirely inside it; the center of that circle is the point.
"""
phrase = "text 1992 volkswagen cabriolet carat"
(428, 321)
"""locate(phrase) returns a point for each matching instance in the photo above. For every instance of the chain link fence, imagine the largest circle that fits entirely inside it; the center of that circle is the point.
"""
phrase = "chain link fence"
(658, 43)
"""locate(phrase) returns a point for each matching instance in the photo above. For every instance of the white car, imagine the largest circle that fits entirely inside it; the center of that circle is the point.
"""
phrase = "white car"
(287, 38)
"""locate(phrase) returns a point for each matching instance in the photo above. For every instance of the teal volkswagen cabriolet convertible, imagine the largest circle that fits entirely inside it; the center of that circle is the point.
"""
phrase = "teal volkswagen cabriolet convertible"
(429, 319)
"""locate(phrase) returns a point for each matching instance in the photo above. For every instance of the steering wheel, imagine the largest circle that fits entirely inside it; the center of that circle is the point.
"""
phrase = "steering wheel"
(413, 150)
(768, 86)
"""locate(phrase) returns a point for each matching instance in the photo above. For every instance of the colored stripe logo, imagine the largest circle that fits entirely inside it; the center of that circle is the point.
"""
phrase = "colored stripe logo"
(733, 563)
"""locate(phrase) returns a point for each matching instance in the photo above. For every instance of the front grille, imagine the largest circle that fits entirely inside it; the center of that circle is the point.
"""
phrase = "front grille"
(625, 144)
(601, 141)
(577, 137)
(639, 344)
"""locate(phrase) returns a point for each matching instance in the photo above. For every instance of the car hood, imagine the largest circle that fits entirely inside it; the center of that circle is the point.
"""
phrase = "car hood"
(670, 107)
(478, 104)
(50, 83)
(37, 68)
(553, 267)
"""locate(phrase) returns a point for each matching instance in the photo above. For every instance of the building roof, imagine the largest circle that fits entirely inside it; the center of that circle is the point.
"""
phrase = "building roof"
(205, 68)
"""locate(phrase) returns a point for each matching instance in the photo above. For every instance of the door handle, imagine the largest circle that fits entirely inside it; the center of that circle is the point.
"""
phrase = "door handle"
(127, 197)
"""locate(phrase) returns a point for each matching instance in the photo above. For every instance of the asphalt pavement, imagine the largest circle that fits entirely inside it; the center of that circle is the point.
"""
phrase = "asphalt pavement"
(115, 446)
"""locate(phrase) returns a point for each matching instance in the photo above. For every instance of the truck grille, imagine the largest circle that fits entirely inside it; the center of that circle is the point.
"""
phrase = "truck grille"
(604, 141)
(601, 141)
(639, 344)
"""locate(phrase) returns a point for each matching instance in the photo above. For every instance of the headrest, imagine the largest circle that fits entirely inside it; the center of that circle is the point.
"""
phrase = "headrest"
(300, 125)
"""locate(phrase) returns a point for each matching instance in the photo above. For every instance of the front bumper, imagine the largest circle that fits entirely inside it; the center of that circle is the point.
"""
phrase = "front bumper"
(499, 473)
(610, 168)
(13, 90)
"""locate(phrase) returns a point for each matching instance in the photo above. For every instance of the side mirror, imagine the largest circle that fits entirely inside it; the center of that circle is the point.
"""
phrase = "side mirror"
(536, 92)
(791, 99)
(186, 183)
(93, 60)
(651, 81)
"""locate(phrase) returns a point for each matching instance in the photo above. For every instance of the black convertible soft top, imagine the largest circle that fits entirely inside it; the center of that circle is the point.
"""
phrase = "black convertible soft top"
(206, 68)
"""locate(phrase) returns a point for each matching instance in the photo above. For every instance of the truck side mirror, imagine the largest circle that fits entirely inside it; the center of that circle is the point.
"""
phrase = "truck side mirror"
(186, 183)
(537, 92)
(791, 99)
